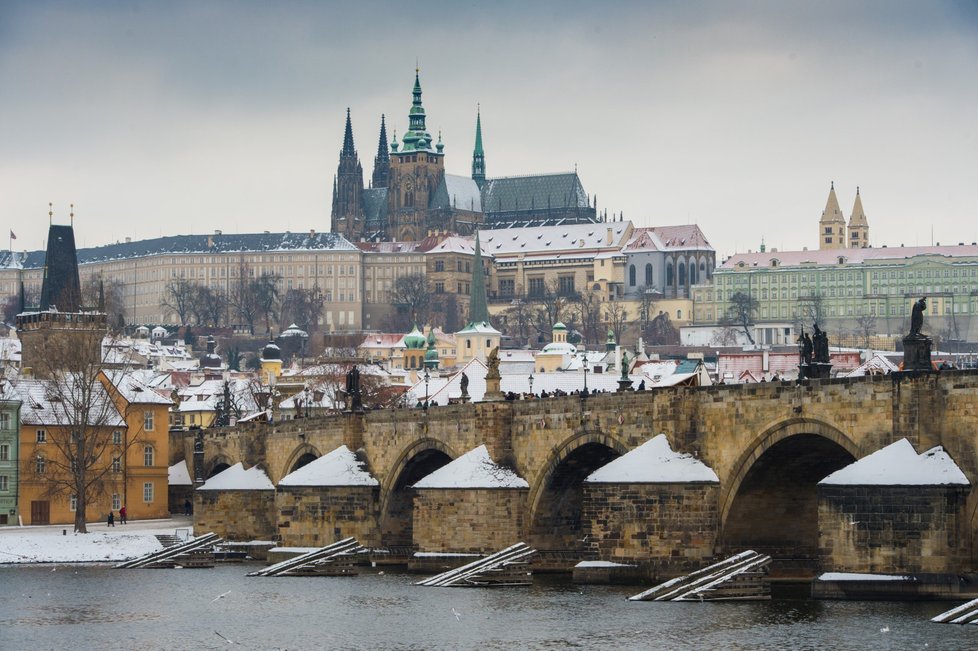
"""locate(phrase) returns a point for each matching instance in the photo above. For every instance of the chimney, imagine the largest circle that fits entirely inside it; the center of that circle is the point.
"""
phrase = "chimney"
(128, 240)
(610, 240)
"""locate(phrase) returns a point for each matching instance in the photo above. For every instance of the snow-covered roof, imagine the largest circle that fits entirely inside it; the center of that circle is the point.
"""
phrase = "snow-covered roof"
(478, 328)
(474, 469)
(654, 462)
(49, 402)
(236, 478)
(878, 364)
(132, 388)
(898, 464)
(570, 238)
(825, 257)
(179, 475)
(338, 468)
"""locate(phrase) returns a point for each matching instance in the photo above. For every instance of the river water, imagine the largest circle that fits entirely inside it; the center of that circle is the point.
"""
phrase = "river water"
(86, 607)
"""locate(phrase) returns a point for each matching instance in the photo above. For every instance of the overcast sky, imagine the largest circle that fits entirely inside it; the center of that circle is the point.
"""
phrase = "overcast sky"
(161, 118)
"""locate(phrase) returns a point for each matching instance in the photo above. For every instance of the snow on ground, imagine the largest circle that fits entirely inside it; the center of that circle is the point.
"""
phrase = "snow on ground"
(103, 544)
(654, 462)
(474, 469)
(898, 464)
(338, 468)
(851, 576)
(236, 478)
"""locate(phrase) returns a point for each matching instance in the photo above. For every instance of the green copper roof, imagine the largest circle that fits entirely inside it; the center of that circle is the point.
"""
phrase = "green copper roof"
(478, 155)
(415, 339)
(478, 310)
(416, 138)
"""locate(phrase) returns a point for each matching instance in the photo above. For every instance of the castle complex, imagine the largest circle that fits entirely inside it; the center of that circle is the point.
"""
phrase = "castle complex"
(411, 195)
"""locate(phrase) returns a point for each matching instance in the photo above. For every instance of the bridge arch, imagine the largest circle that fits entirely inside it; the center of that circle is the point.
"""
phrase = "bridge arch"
(419, 459)
(218, 465)
(769, 502)
(302, 455)
(554, 500)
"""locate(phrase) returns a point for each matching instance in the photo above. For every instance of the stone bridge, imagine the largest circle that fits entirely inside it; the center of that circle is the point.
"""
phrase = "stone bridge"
(769, 444)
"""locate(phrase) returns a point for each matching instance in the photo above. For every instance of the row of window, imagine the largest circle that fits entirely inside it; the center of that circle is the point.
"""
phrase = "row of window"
(149, 494)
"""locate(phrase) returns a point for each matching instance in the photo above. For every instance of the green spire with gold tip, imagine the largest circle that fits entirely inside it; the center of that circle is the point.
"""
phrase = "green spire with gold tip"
(478, 155)
(478, 310)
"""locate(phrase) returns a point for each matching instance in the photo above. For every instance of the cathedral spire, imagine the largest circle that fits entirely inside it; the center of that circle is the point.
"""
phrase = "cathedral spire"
(382, 161)
(858, 225)
(416, 138)
(478, 310)
(832, 225)
(478, 155)
(348, 149)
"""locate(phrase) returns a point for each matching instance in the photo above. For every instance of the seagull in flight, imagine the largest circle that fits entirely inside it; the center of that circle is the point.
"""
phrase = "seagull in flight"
(220, 596)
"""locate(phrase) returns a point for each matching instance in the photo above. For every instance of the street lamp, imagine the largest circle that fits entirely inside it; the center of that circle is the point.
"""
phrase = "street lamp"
(584, 357)
(427, 378)
(531, 383)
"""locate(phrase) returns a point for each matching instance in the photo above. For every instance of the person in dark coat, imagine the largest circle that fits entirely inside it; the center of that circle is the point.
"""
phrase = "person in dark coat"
(122, 514)
(111, 520)
(187, 507)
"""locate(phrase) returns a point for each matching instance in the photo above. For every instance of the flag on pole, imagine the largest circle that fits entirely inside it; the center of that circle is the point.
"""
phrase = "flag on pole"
(12, 236)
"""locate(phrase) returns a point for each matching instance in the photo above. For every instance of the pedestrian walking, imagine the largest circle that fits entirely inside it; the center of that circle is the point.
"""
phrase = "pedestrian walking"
(188, 508)
(122, 514)
(111, 522)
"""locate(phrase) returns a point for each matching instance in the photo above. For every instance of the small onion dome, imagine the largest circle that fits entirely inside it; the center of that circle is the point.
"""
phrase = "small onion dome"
(271, 351)
(415, 340)
(431, 355)
(559, 326)
(295, 331)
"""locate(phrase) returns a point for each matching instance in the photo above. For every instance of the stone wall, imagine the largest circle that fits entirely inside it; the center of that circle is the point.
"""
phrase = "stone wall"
(470, 520)
(891, 529)
(315, 516)
(235, 514)
(668, 528)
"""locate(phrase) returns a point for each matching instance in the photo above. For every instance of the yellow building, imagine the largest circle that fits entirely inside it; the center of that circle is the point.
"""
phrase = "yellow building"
(126, 429)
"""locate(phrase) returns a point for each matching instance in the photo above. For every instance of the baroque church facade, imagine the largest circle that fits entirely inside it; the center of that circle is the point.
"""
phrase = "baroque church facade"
(410, 195)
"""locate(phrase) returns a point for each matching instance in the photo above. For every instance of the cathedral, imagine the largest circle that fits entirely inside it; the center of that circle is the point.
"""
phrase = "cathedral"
(410, 195)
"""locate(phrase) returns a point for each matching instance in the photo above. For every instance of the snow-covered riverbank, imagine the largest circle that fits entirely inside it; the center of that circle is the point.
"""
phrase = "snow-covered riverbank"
(104, 544)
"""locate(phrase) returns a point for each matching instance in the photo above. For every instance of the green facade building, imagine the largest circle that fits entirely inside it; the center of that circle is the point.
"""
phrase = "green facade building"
(852, 290)
(9, 453)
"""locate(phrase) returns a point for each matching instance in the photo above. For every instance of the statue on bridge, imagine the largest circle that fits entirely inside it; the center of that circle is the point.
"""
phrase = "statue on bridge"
(917, 317)
(805, 348)
(917, 345)
(465, 387)
(820, 344)
(353, 395)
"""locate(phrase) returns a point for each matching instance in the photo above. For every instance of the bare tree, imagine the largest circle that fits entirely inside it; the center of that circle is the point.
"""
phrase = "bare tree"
(740, 312)
(411, 298)
(661, 331)
(588, 309)
(179, 297)
(519, 318)
(866, 327)
(213, 306)
(75, 402)
(265, 288)
(552, 305)
(647, 299)
(811, 309)
(243, 298)
(304, 307)
(616, 314)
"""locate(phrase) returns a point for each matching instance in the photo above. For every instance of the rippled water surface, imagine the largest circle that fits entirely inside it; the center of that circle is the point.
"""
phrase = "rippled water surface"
(86, 607)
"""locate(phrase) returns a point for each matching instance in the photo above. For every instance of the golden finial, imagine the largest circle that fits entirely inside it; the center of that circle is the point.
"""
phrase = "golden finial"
(50, 213)
(72, 213)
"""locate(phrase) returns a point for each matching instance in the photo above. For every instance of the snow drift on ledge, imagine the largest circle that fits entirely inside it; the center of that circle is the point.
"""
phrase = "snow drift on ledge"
(654, 462)
(338, 468)
(898, 464)
(474, 469)
(236, 478)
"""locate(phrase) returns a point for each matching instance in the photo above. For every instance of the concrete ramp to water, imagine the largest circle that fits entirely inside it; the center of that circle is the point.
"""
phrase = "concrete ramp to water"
(743, 576)
(336, 559)
(508, 567)
(198, 552)
(964, 614)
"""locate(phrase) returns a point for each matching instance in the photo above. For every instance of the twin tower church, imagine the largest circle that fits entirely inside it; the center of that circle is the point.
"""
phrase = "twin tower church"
(410, 195)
